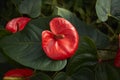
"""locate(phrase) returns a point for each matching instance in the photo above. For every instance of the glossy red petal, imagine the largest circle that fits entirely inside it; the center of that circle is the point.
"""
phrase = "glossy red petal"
(17, 24)
(59, 49)
(18, 73)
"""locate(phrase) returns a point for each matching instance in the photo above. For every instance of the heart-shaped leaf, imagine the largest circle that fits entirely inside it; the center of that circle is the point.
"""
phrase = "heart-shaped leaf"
(103, 9)
(106, 8)
(25, 48)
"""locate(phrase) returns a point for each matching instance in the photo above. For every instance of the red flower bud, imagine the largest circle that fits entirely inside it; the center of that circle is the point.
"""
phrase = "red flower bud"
(17, 24)
(62, 41)
(18, 74)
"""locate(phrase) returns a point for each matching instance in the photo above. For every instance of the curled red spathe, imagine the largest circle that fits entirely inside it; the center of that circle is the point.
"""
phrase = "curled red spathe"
(62, 41)
(23, 73)
(17, 24)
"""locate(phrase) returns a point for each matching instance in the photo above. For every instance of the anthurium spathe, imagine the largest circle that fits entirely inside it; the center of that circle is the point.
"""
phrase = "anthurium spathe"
(18, 74)
(62, 41)
(17, 24)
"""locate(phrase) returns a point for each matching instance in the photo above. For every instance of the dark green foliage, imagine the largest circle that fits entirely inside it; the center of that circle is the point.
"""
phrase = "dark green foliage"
(94, 58)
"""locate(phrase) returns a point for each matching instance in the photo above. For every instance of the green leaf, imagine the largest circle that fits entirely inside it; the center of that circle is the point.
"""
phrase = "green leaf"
(61, 76)
(115, 9)
(101, 40)
(40, 76)
(2, 58)
(3, 33)
(105, 71)
(25, 48)
(85, 56)
(106, 8)
(31, 8)
(103, 9)
(81, 74)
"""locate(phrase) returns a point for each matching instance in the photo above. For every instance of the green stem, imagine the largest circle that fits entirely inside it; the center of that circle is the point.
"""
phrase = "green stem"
(54, 74)
(111, 30)
(115, 18)
(109, 27)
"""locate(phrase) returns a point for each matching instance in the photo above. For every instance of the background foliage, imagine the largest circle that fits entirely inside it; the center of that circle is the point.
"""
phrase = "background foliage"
(98, 25)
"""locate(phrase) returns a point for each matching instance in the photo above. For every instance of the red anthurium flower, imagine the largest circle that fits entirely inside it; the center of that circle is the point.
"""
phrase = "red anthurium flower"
(62, 41)
(18, 74)
(17, 24)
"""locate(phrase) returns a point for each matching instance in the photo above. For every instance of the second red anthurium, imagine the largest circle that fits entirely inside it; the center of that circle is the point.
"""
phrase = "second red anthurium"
(62, 41)
(18, 74)
(17, 24)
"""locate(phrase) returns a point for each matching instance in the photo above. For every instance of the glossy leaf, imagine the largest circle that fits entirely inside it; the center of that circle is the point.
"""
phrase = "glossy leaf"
(105, 71)
(31, 8)
(101, 40)
(103, 9)
(25, 48)
(106, 8)
(81, 74)
(85, 56)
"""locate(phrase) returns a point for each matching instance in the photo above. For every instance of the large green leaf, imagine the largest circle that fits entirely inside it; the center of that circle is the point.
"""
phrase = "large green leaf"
(25, 48)
(85, 56)
(100, 39)
(105, 8)
(81, 74)
(31, 8)
(3, 33)
(105, 71)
